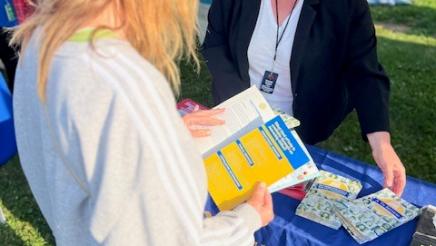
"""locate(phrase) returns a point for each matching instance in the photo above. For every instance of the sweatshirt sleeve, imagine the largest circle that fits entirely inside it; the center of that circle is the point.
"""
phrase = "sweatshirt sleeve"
(234, 227)
(146, 183)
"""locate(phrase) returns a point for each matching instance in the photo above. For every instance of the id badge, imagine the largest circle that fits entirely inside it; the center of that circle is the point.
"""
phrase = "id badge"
(269, 82)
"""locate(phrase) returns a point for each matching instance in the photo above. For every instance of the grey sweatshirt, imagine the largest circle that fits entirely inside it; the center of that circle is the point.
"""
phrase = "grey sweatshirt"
(107, 156)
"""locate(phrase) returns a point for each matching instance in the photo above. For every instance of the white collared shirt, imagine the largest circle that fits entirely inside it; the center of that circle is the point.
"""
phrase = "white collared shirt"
(261, 54)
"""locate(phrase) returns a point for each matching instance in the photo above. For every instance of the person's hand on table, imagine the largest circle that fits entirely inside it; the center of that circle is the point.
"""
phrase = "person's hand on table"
(388, 161)
(261, 201)
(199, 122)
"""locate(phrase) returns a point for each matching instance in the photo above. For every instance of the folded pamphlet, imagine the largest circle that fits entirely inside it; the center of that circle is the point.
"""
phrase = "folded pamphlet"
(328, 188)
(267, 153)
(371, 216)
(244, 112)
(304, 173)
(290, 121)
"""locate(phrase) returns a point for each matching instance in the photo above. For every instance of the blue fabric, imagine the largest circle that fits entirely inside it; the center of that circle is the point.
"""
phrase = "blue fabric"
(7, 140)
(8, 18)
(206, 1)
(375, 2)
(289, 229)
(389, 2)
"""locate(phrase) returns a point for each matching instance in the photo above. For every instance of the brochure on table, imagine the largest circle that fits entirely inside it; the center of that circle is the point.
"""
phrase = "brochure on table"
(327, 189)
(371, 216)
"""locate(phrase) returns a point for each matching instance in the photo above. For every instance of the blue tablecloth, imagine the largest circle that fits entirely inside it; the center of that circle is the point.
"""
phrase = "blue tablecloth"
(8, 17)
(206, 1)
(289, 229)
(7, 135)
(389, 2)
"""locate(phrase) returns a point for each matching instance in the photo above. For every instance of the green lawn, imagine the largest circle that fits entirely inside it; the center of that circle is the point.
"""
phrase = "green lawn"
(407, 49)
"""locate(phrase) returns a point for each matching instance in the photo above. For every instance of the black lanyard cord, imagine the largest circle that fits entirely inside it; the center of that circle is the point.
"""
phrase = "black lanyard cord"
(278, 40)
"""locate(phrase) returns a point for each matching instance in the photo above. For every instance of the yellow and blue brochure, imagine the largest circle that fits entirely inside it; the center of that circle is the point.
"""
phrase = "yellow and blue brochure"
(267, 153)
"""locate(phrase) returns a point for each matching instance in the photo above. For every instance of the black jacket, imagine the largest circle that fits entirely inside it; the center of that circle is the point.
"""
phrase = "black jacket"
(334, 66)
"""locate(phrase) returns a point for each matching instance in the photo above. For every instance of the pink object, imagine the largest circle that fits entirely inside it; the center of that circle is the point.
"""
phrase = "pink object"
(188, 106)
(296, 192)
(22, 9)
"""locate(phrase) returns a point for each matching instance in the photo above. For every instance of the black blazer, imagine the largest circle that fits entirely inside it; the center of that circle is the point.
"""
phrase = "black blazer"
(334, 66)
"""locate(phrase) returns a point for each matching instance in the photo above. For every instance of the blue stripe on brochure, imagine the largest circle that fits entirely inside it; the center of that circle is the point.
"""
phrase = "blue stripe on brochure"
(229, 170)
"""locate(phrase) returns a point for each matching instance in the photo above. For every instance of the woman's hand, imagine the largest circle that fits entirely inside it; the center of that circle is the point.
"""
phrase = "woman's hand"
(199, 122)
(388, 161)
(261, 201)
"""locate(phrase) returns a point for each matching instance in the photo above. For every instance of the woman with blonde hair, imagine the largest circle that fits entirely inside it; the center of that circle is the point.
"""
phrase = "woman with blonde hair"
(104, 150)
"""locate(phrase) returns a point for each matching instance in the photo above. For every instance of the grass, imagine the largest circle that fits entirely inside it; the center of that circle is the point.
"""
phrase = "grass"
(407, 49)
(410, 61)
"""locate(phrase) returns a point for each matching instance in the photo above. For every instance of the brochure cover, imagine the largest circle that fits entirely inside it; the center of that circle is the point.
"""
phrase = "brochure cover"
(267, 153)
(245, 112)
(371, 216)
(305, 173)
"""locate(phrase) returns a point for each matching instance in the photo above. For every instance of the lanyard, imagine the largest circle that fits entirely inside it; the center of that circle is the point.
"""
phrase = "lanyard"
(278, 40)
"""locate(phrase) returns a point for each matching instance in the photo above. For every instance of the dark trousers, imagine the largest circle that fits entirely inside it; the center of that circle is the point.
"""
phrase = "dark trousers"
(9, 58)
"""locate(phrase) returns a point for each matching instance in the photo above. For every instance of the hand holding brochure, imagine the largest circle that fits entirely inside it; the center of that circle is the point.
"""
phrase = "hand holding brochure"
(244, 112)
(245, 115)
(267, 153)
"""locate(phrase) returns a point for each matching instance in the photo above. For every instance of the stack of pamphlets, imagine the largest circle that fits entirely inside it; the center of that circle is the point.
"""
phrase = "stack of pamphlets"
(328, 189)
(426, 230)
(290, 121)
(371, 216)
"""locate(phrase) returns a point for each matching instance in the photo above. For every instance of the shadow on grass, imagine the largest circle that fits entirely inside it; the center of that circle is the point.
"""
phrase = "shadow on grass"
(16, 196)
(421, 20)
(8, 236)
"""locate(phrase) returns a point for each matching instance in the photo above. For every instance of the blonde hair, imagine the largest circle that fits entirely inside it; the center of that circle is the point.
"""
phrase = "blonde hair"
(162, 31)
